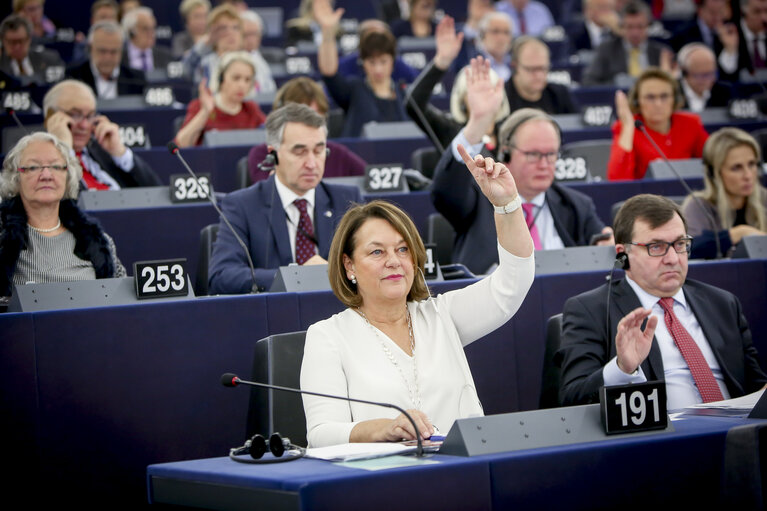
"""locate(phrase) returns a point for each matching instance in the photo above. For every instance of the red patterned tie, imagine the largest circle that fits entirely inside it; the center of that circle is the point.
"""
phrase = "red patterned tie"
(91, 182)
(304, 234)
(527, 207)
(701, 372)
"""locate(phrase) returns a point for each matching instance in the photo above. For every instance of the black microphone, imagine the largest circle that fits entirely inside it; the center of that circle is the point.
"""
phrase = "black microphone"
(640, 126)
(10, 111)
(232, 380)
(174, 149)
(421, 117)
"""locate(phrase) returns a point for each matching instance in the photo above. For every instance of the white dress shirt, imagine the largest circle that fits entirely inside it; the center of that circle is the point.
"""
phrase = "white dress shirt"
(544, 221)
(124, 162)
(292, 214)
(105, 89)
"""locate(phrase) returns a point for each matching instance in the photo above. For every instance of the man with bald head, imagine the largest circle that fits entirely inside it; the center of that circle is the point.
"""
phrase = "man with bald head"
(699, 82)
(70, 115)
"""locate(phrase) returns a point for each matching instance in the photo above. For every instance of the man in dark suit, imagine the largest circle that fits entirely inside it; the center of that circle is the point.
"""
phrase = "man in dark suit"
(529, 143)
(70, 115)
(699, 82)
(694, 337)
(141, 51)
(102, 71)
(704, 28)
(529, 86)
(628, 55)
(41, 65)
(745, 46)
(290, 217)
(600, 22)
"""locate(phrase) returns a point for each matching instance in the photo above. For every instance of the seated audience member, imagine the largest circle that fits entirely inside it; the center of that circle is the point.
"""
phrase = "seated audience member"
(529, 86)
(733, 199)
(70, 115)
(699, 82)
(600, 23)
(744, 44)
(103, 71)
(391, 325)
(253, 29)
(695, 338)
(340, 161)
(17, 60)
(195, 15)
(655, 100)
(705, 27)
(529, 17)
(493, 43)
(420, 22)
(224, 106)
(32, 10)
(44, 236)
(141, 50)
(127, 6)
(351, 65)
(290, 217)
(101, 10)
(475, 11)
(224, 29)
(304, 28)
(377, 98)
(631, 54)
(529, 142)
(447, 125)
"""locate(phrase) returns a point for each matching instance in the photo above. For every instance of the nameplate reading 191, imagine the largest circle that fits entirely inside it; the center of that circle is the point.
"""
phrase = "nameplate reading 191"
(633, 408)
(384, 177)
(160, 279)
(185, 188)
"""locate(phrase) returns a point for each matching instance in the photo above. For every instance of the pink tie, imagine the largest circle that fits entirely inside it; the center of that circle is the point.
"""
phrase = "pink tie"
(701, 372)
(530, 219)
(304, 233)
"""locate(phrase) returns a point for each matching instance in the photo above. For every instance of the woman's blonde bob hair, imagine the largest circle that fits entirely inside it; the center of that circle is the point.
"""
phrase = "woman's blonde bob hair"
(344, 243)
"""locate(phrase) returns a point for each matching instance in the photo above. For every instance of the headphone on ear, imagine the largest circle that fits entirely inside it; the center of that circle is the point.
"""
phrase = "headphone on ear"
(256, 447)
(504, 151)
(622, 261)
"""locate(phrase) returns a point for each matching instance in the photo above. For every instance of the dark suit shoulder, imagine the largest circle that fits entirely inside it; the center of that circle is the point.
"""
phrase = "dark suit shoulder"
(571, 195)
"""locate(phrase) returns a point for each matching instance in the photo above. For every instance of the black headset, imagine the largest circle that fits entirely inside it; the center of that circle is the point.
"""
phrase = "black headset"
(256, 447)
(272, 160)
(504, 152)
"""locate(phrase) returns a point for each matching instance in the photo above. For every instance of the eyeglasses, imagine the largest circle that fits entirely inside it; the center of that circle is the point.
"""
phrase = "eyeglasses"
(534, 69)
(660, 248)
(663, 97)
(79, 116)
(34, 169)
(537, 156)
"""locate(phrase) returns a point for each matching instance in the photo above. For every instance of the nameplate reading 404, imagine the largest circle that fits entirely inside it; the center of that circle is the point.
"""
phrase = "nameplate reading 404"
(634, 407)
(185, 188)
(160, 279)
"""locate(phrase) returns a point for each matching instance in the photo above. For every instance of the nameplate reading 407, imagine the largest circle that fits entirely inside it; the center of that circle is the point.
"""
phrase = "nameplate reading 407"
(160, 279)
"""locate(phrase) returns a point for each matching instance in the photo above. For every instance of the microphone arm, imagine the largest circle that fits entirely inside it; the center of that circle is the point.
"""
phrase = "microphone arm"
(640, 126)
(426, 126)
(12, 113)
(232, 380)
(174, 149)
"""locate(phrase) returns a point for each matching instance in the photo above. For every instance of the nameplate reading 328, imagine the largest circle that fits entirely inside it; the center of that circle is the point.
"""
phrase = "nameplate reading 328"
(160, 279)
(632, 408)
(185, 188)
(386, 177)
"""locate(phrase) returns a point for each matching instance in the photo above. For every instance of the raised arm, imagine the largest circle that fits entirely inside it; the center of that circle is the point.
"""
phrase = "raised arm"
(328, 19)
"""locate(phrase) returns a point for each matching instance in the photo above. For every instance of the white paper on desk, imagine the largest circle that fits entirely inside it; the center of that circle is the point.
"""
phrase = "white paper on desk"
(743, 403)
(357, 451)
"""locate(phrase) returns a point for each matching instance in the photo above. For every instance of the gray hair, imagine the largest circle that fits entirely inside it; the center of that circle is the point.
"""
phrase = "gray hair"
(131, 18)
(223, 64)
(14, 22)
(688, 49)
(495, 15)
(522, 41)
(110, 27)
(9, 179)
(253, 17)
(51, 99)
(292, 112)
(188, 5)
(511, 126)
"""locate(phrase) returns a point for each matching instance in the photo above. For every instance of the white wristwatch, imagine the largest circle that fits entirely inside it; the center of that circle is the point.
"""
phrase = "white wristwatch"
(511, 207)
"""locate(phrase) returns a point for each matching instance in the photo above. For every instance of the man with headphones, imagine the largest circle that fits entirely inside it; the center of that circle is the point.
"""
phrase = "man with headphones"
(529, 142)
(699, 82)
(288, 218)
(659, 326)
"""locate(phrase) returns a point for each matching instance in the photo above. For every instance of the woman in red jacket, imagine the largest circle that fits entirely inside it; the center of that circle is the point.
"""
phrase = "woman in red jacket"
(654, 99)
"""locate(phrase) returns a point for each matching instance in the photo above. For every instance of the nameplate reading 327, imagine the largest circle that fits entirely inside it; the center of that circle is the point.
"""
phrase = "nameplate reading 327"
(632, 408)
(160, 279)
(386, 177)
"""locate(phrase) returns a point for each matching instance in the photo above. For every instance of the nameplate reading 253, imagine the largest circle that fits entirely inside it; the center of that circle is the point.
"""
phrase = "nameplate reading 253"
(160, 279)
(632, 408)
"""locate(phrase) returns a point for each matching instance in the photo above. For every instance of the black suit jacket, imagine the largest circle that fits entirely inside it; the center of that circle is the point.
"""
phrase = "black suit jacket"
(161, 56)
(611, 59)
(721, 95)
(690, 33)
(555, 99)
(257, 215)
(580, 39)
(458, 198)
(39, 59)
(130, 81)
(140, 175)
(587, 346)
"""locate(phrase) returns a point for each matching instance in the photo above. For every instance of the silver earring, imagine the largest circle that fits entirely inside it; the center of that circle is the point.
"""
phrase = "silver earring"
(353, 279)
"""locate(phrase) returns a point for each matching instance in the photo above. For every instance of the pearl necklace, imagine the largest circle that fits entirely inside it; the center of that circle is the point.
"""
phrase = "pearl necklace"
(415, 393)
(55, 227)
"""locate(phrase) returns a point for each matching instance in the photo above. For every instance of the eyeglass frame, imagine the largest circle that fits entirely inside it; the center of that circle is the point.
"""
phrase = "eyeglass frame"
(537, 156)
(687, 238)
(34, 169)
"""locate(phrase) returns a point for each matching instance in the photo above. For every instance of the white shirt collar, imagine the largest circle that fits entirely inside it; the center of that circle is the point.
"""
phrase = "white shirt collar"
(288, 196)
(648, 301)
